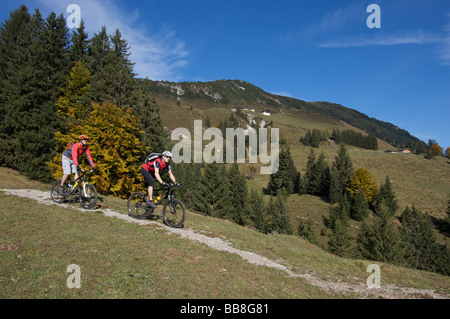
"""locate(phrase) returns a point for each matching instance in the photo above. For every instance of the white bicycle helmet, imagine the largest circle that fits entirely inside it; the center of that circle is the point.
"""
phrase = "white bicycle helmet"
(167, 153)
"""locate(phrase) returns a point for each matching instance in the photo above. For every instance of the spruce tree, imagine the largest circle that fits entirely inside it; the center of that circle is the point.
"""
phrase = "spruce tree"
(146, 107)
(188, 175)
(387, 196)
(238, 193)
(98, 52)
(287, 177)
(422, 249)
(118, 73)
(281, 223)
(305, 230)
(316, 179)
(16, 37)
(256, 211)
(207, 191)
(386, 239)
(34, 64)
(340, 241)
(79, 49)
(365, 245)
(225, 207)
(341, 174)
(340, 212)
(359, 207)
(381, 241)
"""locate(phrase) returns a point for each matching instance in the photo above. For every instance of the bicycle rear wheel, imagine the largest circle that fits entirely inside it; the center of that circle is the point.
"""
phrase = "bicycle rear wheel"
(59, 197)
(88, 196)
(174, 213)
(136, 205)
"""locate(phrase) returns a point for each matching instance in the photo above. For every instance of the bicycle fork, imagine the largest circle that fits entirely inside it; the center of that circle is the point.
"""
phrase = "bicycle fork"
(85, 192)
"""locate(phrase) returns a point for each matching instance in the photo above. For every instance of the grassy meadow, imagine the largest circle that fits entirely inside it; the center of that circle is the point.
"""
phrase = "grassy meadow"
(126, 260)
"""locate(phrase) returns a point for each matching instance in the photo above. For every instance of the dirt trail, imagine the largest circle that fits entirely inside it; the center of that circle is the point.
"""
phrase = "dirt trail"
(386, 291)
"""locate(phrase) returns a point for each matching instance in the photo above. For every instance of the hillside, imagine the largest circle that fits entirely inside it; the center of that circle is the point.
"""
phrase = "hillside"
(416, 181)
(236, 93)
(209, 258)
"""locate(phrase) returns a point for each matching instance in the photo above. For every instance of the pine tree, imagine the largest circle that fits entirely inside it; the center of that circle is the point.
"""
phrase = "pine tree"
(79, 49)
(34, 64)
(305, 230)
(334, 191)
(145, 107)
(387, 196)
(16, 37)
(287, 177)
(340, 241)
(365, 245)
(207, 190)
(340, 212)
(359, 208)
(188, 175)
(118, 73)
(238, 193)
(421, 248)
(341, 174)
(225, 207)
(388, 245)
(281, 223)
(316, 178)
(98, 51)
(256, 211)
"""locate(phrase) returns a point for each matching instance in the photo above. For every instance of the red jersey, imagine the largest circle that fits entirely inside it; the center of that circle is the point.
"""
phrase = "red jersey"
(76, 150)
(157, 163)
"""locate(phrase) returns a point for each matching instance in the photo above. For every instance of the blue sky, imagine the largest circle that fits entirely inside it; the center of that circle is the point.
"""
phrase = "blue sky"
(312, 50)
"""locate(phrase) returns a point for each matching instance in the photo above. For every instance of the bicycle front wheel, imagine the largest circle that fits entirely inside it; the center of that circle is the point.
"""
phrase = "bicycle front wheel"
(174, 213)
(136, 205)
(59, 196)
(88, 196)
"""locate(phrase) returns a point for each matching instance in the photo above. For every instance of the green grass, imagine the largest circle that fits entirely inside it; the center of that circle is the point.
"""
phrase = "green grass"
(125, 260)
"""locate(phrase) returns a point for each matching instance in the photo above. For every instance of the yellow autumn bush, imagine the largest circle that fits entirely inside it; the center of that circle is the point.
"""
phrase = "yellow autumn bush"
(363, 179)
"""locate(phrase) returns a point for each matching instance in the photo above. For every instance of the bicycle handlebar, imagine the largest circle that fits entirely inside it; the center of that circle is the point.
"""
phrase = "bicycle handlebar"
(85, 170)
(173, 185)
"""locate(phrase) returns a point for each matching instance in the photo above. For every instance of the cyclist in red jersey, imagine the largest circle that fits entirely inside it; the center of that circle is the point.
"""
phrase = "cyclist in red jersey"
(70, 163)
(151, 170)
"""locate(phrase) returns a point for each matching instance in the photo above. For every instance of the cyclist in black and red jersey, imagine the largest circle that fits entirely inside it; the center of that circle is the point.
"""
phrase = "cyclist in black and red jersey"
(70, 163)
(151, 170)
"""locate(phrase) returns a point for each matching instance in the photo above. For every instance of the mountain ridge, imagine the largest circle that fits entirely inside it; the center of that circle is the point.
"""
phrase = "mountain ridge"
(239, 93)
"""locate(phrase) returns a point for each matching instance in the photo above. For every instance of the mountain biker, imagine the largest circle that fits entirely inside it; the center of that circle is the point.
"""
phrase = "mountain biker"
(70, 163)
(151, 170)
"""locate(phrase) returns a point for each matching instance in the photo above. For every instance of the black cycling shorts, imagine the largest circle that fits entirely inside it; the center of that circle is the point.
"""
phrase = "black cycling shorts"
(149, 178)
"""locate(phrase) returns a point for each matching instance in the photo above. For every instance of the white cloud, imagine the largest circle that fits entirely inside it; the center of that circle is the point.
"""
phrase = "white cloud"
(158, 56)
(443, 49)
(441, 41)
(416, 37)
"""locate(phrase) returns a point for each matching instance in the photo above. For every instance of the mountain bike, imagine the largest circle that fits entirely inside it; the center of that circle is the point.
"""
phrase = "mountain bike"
(173, 211)
(86, 192)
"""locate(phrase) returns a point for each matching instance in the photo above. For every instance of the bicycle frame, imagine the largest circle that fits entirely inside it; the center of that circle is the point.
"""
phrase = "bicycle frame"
(81, 180)
(169, 194)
